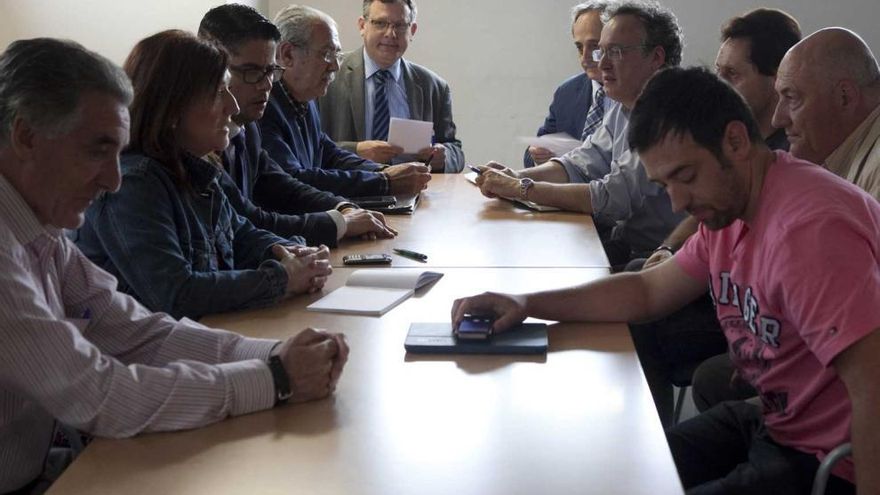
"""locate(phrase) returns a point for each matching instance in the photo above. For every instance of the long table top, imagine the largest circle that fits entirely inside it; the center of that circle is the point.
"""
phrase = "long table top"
(579, 420)
(456, 226)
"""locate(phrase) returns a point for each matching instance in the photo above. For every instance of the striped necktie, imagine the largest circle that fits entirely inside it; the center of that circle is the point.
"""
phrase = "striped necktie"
(594, 116)
(381, 113)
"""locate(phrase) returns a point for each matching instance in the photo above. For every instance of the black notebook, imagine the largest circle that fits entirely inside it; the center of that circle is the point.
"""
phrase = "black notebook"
(437, 338)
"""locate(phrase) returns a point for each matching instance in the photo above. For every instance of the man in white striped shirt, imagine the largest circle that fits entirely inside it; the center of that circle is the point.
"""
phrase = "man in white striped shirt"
(73, 350)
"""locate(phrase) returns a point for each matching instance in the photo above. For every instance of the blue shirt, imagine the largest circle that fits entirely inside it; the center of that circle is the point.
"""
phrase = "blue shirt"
(620, 191)
(395, 93)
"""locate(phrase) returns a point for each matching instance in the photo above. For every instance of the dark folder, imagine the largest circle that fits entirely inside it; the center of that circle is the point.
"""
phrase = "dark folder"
(437, 338)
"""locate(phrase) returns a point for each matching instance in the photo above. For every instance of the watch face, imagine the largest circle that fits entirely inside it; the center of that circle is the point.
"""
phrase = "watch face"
(524, 185)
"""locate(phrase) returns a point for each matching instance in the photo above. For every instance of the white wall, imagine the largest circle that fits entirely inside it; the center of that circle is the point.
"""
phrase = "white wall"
(110, 27)
(502, 58)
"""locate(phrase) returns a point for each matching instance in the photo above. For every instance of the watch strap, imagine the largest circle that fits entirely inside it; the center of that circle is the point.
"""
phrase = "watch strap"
(279, 378)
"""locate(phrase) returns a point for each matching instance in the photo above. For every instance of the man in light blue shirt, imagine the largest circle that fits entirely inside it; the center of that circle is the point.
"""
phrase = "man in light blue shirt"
(604, 177)
(395, 95)
(375, 84)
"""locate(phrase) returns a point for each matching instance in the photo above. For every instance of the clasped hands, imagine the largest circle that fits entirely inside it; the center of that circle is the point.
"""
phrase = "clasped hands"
(313, 360)
(307, 267)
(369, 225)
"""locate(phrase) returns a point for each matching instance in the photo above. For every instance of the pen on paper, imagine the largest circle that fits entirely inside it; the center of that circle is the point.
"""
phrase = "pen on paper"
(411, 254)
(475, 169)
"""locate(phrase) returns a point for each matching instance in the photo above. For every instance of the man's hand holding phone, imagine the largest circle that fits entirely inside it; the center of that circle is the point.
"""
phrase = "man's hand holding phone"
(509, 310)
(474, 327)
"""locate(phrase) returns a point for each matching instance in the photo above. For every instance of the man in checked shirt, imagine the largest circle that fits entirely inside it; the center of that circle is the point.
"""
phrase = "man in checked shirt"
(73, 350)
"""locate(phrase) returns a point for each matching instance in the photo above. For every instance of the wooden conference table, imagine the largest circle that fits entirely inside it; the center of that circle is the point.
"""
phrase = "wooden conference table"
(457, 227)
(579, 420)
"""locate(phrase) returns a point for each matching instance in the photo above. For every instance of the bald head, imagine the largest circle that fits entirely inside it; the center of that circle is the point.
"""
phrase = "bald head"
(835, 54)
(828, 84)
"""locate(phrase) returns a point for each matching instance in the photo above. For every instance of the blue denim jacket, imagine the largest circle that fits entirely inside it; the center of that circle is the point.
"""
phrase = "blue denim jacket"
(186, 253)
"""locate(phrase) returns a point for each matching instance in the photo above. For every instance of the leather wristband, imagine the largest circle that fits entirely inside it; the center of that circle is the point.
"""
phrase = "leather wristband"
(279, 378)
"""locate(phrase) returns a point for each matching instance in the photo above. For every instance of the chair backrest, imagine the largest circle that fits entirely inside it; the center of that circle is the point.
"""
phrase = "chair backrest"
(825, 466)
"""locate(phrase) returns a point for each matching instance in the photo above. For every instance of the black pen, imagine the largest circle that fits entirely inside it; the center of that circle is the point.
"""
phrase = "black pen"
(411, 254)
(475, 169)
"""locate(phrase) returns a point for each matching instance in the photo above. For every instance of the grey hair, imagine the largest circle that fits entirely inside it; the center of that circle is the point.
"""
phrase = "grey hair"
(582, 8)
(410, 4)
(661, 27)
(296, 22)
(42, 81)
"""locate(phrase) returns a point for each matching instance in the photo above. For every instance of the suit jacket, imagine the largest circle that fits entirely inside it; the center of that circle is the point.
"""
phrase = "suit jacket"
(293, 137)
(568, 111)
(428, 96)
(269, 197)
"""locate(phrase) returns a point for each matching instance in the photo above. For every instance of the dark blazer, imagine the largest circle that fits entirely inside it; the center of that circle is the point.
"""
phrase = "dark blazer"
(271, 198)
(568, 111)
(428, 96)
(293, 138)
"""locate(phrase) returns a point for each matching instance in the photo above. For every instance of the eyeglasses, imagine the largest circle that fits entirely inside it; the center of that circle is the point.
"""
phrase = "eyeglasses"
(614, 52)
(254, 75)
(398, 27)
(329, 55)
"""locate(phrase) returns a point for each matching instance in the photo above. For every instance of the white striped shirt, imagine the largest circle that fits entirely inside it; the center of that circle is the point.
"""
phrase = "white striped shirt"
(73, 349)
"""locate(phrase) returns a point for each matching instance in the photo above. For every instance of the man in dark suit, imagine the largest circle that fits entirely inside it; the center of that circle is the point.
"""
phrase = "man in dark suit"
(376, 83)
(573, 98)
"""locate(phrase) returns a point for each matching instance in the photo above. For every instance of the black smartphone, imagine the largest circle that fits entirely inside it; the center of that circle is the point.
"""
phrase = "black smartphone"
(368, 202)
(475, 327)
(367, 259)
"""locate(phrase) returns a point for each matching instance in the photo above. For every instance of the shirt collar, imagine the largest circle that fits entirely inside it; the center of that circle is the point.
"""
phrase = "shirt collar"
(19, 216)
(371, 67)
(201, 172)
(300, 109)
(842, 158)
(235, 130)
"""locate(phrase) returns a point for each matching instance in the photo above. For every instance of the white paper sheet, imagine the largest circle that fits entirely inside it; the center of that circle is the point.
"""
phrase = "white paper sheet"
(559, 143)
(411, 135)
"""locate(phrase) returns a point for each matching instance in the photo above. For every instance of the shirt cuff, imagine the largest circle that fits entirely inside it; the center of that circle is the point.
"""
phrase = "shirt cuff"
(339, 220)
(598, 198)
(248, 348)
(251, 386)
(574, 173)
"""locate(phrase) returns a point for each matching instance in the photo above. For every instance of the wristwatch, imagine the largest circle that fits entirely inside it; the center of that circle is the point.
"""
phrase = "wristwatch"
(279, 378)
(525, 184)
(665, 247)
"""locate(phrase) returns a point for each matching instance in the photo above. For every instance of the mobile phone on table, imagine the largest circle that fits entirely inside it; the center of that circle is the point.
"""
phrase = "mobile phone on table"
(366, 259)
(374, 201)
(475, 327)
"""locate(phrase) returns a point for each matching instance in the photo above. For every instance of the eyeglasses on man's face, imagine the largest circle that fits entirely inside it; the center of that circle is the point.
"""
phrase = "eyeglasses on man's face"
(253, 75)
(328, 55)
(614, 52)
(399, 28)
